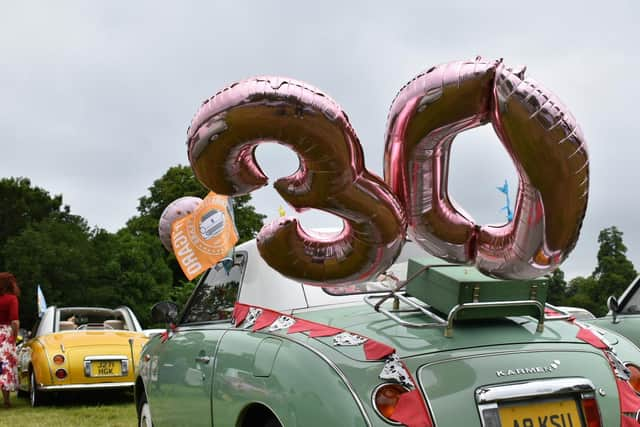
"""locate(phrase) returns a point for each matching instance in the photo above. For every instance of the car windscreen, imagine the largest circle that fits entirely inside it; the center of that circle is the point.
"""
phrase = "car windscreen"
(216, 294)
(632, 302)
(91, 319)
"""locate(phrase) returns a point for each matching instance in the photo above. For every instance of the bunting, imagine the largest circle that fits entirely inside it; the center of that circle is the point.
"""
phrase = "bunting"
(411, 409)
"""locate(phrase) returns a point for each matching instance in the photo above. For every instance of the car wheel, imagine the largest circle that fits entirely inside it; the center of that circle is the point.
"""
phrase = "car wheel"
(35, 396)
(144, 413)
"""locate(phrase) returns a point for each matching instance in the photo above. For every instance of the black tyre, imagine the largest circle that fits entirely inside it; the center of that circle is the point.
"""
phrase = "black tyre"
(36, 398)
(144, 412)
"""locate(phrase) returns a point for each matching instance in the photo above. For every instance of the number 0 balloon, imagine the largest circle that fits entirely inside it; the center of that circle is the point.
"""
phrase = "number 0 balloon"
(539, 133)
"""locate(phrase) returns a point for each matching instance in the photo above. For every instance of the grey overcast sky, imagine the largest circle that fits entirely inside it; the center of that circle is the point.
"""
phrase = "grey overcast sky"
(96, 96)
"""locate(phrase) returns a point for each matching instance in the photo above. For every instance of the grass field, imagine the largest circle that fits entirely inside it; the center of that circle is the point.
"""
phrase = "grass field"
(76, 410)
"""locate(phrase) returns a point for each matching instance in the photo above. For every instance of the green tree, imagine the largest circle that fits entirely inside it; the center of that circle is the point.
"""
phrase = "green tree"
(614, 271)
(134, 274)
(22, 204)
(248, 221)
(557, 287)
(581, 291)
(55, 254)
(179, 181)
(76, 266)
(611, 276)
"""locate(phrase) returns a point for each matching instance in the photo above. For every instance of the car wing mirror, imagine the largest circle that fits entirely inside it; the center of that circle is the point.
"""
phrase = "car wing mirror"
(164, 312)
(614, 307)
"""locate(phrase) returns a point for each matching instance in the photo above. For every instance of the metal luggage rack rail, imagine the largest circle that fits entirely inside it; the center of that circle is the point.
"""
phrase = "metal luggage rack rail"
(417, 306)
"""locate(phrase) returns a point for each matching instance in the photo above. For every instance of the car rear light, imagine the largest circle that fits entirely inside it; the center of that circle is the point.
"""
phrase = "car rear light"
(590, 411)
(61, 374)
(634, 377)
(58, 359)
(386, 398)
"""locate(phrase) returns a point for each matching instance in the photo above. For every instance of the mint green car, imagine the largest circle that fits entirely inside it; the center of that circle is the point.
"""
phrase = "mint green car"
(252, 348)
(624, 313)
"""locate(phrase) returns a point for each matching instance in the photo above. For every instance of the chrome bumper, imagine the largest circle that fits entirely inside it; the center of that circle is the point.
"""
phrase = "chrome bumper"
(94, 386)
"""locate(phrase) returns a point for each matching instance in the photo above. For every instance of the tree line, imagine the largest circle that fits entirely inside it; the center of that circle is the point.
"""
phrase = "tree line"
(44, 244)
(611, 276)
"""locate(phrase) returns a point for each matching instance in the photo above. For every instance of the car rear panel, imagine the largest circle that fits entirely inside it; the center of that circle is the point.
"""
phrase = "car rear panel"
(454, 382)
(481, 355)
(105, 355)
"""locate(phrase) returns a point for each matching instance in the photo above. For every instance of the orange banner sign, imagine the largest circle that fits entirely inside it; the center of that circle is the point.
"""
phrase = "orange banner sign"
(204, 237)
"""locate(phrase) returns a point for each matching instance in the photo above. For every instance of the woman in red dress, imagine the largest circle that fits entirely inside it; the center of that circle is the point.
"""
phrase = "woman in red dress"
(9, 325)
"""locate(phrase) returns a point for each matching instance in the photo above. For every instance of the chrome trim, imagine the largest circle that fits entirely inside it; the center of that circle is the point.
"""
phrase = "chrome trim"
(471, 305)
(329, 362)
(437, 323)
(564, 313)
(86, 386)
(133, 362)
(112, 357)
(533, 388)
(375, 408)
(425, 396)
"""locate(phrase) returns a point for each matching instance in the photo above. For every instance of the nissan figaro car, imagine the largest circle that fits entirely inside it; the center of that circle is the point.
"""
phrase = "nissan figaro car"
(252, 348)
(79, 348)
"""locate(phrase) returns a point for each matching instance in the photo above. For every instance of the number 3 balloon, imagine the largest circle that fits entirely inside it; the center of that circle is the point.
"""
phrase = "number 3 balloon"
(331, 177)
(539, 133)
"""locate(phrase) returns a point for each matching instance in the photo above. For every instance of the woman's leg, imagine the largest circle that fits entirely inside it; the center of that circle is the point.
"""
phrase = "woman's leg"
(5, 396)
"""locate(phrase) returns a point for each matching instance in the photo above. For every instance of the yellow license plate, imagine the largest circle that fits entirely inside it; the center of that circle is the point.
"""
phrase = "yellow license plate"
(106, 368)
(556, 413)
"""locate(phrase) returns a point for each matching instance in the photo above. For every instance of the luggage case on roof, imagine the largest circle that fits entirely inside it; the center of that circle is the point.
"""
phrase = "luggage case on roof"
(469, 294)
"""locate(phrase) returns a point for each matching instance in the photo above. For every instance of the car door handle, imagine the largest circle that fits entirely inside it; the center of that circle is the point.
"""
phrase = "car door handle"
(203, 359)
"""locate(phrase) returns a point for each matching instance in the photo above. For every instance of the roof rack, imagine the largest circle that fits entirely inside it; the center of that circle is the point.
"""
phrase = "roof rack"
(445, 295)
(436, 321)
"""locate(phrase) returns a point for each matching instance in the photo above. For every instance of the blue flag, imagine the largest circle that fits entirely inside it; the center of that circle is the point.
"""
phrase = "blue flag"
(42, 304)
(505, 189)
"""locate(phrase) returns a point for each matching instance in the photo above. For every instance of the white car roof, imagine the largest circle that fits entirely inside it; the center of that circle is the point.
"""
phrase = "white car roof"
(265, 287)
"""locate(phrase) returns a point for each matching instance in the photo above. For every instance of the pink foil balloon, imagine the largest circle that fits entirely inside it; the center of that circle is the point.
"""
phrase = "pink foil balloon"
(539, 133)
(175, 210)
(424, 119)
(549, 151)
(331, 177)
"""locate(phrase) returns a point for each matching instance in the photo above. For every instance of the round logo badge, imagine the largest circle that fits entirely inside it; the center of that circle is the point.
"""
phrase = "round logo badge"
(211, 224)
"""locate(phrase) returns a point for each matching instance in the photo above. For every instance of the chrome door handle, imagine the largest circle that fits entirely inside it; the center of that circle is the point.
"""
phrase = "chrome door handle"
(203, 359)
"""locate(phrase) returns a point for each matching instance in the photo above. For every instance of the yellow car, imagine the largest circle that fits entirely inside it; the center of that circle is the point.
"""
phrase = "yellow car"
(80, 348)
